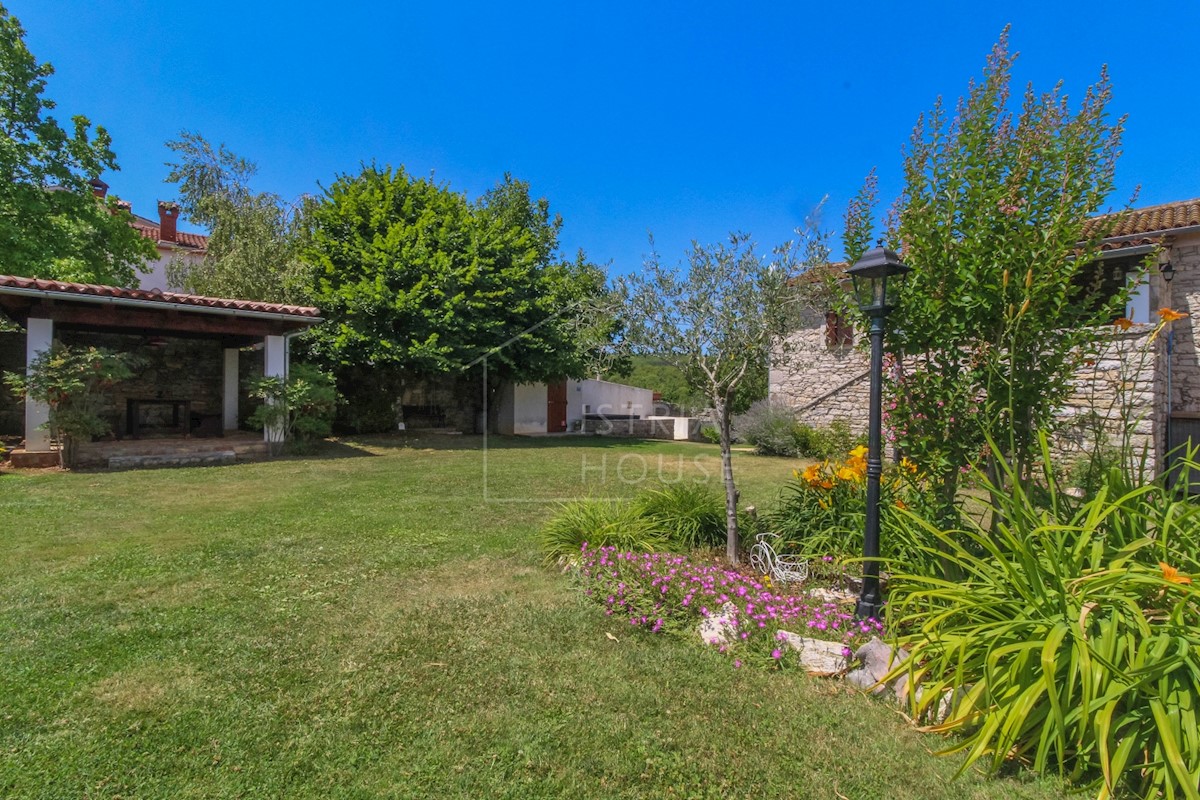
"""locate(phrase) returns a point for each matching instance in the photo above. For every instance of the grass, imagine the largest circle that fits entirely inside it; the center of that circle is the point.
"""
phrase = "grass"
(363, 624)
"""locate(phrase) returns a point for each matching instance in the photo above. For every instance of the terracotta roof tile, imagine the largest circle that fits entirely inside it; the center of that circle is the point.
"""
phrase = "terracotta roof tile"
(94, 290)
(195, 241)
(1158, 219)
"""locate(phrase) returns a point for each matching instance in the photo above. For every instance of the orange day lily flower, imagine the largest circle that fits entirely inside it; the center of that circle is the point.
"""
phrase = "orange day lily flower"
(1171, 574)
(1123, 323)
(1170, 314)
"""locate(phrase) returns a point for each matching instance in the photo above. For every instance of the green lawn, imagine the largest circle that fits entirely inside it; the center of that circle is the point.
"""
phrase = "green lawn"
(364, 624)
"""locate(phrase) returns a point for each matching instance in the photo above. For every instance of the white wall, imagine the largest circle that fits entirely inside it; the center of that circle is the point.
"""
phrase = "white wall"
(156, 275)
(522, 409)
(605, 397)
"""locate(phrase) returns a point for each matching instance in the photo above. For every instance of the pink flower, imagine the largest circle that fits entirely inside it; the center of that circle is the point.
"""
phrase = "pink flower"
(776, 654)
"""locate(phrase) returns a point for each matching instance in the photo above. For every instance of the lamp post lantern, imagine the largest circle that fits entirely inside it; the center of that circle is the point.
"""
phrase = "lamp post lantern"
(870, 276)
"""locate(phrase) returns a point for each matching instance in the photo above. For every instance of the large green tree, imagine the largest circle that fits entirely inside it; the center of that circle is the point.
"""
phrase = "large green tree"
(416, 280)
(255, 238)
(995, 316)
(51, 223)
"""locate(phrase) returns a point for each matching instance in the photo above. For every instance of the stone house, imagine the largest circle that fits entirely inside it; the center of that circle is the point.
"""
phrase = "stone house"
(1155, 384)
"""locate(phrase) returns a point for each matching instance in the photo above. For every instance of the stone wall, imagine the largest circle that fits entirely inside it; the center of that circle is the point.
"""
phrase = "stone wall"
(822, 382)
(12, 408)
(1125, 381)
(1183, 294)
(660, 428)
(183, 369)
(1119, 397)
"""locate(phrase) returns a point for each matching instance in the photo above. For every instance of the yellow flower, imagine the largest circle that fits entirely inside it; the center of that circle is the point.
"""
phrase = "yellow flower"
(1123, 323)
(812, 474)
(1171, 574)
(908, 466)
(1170, 314)
(823, 504)
(848, 474)
(859, 452)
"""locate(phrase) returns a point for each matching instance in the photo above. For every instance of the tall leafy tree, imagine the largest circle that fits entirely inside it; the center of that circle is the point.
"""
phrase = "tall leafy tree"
(416, 280)
(51, 223)
(995, 316)
(255, 239)
(717, 319)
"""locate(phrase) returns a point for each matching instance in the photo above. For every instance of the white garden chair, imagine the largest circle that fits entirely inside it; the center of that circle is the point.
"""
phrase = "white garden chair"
(780, 568)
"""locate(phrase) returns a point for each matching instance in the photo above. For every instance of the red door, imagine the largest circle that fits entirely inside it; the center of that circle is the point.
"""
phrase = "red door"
(556, 407)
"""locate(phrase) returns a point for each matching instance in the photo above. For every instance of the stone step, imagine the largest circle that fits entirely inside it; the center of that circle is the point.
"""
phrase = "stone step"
(208, 458)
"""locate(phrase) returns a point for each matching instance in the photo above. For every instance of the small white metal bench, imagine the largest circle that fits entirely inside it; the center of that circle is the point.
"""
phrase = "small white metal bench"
(780, 568)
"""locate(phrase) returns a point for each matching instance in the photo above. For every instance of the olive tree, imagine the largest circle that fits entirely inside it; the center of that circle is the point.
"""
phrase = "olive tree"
(717, 319)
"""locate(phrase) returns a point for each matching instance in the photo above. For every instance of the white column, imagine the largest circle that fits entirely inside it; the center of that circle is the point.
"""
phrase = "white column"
(275, 366)
(231, 389)
(39, 338)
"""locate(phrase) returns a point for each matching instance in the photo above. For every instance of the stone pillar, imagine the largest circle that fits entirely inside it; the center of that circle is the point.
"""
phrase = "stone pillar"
(275, 366)
(230, 385)
(39, 338)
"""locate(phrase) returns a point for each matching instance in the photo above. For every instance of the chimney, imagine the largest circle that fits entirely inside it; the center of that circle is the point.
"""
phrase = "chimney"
(99, 188)
(168, 215)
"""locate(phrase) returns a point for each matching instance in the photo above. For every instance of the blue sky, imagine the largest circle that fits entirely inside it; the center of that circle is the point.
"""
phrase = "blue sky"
(687, 120)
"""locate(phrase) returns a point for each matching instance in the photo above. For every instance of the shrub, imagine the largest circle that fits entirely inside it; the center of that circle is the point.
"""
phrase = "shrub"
(823, 509)
(691, 515)
(770, 427)
(70, 381)
(603, 523)
(828, 442)
(710, 434)
(302, 406)
(1072, 636)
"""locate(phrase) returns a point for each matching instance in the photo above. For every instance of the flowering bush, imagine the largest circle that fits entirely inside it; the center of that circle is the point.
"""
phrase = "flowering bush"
(661, 593)
(823, 510)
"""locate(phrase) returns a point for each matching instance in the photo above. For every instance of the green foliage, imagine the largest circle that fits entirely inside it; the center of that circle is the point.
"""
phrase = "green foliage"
(416, 280)
(255, 237)
(711, 434)
(302, 407)
(770, 426)
(993, 219)
(774, 431)
(51, 224)
(657, 374)
(70, 381)
(1072, 637)
(822, 511)
(828, 442)
(601, 523)
(691, 515)
(717, 320)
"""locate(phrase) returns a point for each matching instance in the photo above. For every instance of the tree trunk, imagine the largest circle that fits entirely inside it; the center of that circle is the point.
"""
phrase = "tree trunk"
(731, 493)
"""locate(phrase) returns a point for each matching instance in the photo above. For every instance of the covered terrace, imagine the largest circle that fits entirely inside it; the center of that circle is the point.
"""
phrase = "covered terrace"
(195, 352)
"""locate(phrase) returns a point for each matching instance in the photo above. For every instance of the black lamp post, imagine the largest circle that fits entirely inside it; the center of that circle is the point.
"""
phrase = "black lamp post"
(870, 279)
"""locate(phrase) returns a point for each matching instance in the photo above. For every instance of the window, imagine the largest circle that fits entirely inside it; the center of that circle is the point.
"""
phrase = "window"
(839, 332)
